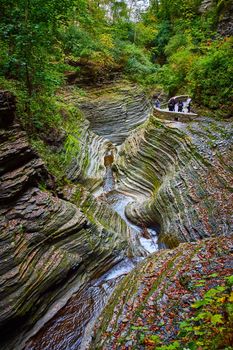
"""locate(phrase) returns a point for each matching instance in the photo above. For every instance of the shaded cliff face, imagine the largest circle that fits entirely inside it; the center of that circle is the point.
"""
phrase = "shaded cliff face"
(116, 110)
(45, 243)
(147, 308)
(178, 173)
(181, 175)
(225, 25)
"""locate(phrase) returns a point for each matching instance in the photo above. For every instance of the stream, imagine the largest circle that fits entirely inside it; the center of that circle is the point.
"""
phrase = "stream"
(71, 327)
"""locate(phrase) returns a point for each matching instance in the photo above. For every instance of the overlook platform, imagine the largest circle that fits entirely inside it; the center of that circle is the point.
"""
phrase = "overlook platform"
(165, 114)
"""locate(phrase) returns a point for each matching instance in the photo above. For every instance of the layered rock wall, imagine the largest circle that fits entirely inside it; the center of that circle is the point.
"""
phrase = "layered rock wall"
(224, 12)
(87, 163)
(182, 176)
(116, 111)
(148, 306)
(45, 242)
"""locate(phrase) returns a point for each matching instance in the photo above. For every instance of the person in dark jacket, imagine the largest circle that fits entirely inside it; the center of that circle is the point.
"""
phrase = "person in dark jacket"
(189, 104)
(171, 105)
(157, 103)
(180, 106)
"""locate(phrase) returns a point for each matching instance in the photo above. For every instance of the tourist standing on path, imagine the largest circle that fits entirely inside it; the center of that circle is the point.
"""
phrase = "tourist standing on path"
(189, 104)
(180, 106)
(171, 105)
(157, 103)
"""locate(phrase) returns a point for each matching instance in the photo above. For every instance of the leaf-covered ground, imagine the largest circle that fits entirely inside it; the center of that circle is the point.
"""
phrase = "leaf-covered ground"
(176, 299)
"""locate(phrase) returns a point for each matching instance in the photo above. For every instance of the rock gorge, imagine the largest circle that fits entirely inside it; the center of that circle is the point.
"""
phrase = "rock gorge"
(47, 244)
(178, 175)
(181, 173)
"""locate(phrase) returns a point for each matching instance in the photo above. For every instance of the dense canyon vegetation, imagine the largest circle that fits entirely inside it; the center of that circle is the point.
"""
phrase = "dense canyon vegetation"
(95, 182)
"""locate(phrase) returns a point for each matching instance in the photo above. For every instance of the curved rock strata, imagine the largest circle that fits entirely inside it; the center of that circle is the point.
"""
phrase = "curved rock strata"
(181, 175)
(45, 242)
(87, 163)
(114, 111)
(148, 306)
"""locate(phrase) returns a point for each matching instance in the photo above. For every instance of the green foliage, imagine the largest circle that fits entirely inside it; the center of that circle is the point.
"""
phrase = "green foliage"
(28, 31)
(170, 46)
(136, 61)
(210, 326)
(55, 161)
(163, 36)
(194, 59)
(213, 69)
(72, 147)
(174, 346)
(78, 41)
(198, 70)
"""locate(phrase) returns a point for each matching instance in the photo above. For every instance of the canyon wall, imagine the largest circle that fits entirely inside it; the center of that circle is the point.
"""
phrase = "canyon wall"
(46, 243)
(224, 11)
(181, 174)
(113, 111)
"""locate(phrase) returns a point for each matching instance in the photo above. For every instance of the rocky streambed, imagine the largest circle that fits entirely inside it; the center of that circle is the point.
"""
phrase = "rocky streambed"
(157, 185)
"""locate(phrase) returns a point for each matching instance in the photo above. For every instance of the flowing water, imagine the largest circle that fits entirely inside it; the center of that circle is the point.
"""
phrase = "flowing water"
(118, 202)
(71, 327)
(147, 237)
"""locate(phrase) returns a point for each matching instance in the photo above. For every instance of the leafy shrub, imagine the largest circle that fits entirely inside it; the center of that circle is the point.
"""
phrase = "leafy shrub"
(211, 325)
(210, 77)
(175, 43)
(78, 41)
(138, 64)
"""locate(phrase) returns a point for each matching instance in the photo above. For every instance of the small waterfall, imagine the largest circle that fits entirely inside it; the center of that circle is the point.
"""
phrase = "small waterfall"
(71, 328)
(109, 181)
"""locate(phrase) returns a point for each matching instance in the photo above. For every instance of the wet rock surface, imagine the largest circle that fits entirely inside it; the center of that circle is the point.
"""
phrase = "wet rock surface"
(177, 176)
(45, 243)
(181, 174)
(147, 308)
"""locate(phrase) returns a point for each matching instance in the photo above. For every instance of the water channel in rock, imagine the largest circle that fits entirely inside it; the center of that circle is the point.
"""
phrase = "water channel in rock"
(146, 237)
(71, 326)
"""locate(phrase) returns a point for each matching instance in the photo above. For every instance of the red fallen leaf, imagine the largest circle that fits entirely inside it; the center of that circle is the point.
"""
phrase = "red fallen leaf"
(149, 342)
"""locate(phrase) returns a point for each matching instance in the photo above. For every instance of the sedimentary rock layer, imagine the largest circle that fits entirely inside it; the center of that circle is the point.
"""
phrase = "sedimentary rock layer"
(113, 112)
(223, 11)
(45, 242)
(87, 163)
(182, 176)
(148, 306)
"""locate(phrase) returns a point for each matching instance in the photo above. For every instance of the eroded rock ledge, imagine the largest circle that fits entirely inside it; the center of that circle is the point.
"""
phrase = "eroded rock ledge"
(45, 242)
(116, 110)
(181, 176)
